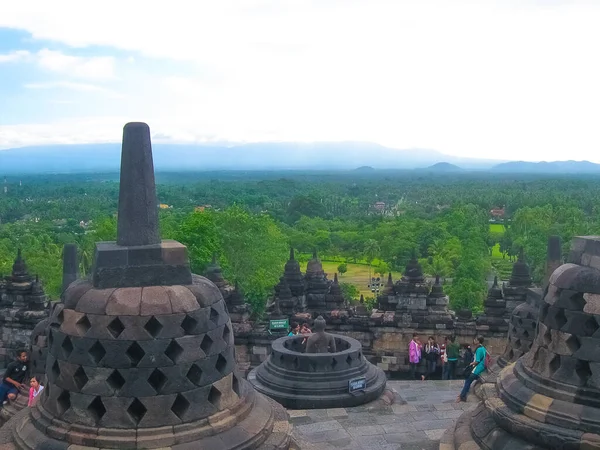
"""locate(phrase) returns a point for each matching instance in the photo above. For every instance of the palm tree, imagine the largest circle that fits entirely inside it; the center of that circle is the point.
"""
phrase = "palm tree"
(371, 250)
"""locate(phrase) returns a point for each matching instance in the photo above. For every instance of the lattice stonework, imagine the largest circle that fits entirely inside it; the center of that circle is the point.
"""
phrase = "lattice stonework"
(170, 363)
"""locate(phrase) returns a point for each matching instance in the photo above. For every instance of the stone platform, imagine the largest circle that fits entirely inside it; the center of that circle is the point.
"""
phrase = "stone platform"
(422, 412)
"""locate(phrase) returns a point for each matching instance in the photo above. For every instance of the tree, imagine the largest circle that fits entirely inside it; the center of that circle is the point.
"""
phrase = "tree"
(342, 268)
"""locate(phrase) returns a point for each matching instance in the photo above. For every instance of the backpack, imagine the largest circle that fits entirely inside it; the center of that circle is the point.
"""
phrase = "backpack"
(487, 362)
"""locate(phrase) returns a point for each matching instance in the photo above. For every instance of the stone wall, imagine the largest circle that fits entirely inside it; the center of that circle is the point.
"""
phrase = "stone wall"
(387, 347)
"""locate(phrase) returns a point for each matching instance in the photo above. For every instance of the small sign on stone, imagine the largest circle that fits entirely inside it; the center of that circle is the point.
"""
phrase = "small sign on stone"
(279, 324)
(357, 384)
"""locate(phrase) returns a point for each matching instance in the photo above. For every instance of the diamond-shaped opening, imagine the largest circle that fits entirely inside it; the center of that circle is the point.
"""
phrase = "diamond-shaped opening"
(235, 385)
(349, 360)
(97, 352)
(548, 337)
(136, 411)
(157, 380)
(63, 402)
(559, 318)
(226, 334)
(214, 397)
(194, 374)
(50, 338)
(60, 317)
(313, 365)
(180, 406)
(189, 324)
(511, 354)
(221, 364)
(296, 363)
(67, 346)
(174, 351)
(590, 326)
(333, 363)
(525, 333)
(115, 380)
(115, 327)
(153, 326)
(281, 359)
(573, 343)
(517, 343)
(55, 370)
(554, 364)
(214, 316)
(583, 371)
(83, 325)
(135, 353)
(206, 344)
(577, 302)
(80, 378)
(96, 409)
(520, 321)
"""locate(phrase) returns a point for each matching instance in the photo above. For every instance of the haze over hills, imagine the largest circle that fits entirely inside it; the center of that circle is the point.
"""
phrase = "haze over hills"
(554, 167)
(257, 156)
(361, 156)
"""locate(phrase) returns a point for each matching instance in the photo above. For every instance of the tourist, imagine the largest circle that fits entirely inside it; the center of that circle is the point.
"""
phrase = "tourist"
(295, 329)
(452, 354)
(467, 360)
(432, 353)
(34, 390)
(414, 355)
(305, 329)
(478, 366)
(15, 374)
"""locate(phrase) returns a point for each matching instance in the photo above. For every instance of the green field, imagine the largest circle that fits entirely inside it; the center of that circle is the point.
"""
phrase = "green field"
(497, 228)
(357, 274)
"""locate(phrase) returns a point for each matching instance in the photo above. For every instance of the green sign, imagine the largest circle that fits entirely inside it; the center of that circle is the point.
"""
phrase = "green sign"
(279, 324)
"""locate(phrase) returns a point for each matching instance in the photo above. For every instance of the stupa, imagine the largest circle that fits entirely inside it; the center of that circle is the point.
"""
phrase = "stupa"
(141, 355)
(549, 398)
(515, 291)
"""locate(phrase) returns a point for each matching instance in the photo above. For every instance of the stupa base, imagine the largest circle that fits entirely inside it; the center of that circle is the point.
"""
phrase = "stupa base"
(512, 416)
(259, 423)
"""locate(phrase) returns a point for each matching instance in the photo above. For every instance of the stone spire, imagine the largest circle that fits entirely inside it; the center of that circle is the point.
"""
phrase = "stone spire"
(293, 275)
(437, 290)
(138, 207)
(389, 286)
(520, 276)
(335, 286)
(414, 272)
(143, 356)
(19, 272)
(139, 258)
(214, 273)
(70, 265)
(495, 292)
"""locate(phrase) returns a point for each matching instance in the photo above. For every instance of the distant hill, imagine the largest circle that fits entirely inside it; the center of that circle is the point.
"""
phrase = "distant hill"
(554, 167)
(444, 167)
(86, 158)
(364, 169)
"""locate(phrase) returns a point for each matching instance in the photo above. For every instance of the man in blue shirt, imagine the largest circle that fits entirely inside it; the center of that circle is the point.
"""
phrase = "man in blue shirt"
(479, 367)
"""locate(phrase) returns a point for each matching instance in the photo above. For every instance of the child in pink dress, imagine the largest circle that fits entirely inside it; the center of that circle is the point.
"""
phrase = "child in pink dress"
(34, 390)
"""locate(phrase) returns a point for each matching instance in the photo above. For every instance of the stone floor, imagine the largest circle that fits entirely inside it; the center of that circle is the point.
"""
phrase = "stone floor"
(422, 412)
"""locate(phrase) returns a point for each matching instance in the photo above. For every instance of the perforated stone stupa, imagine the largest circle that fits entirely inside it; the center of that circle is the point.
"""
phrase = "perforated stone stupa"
(549, 398)
(141, 355)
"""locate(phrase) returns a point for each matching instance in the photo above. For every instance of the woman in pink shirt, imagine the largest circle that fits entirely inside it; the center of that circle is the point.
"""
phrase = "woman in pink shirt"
(414, 355)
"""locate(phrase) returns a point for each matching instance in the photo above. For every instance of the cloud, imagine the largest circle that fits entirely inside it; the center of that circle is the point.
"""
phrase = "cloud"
(101, 67)
(18, 55)
(511, 79)
(65, 85)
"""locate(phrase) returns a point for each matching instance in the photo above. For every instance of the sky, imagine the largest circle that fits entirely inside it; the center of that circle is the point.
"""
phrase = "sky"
(494, 79)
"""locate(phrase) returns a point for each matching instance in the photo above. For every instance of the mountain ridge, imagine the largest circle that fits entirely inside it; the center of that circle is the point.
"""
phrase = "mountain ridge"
(250, 156)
